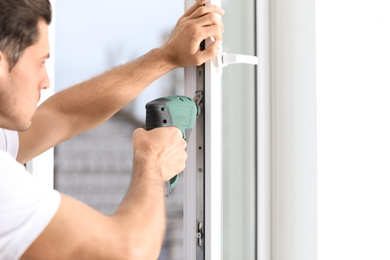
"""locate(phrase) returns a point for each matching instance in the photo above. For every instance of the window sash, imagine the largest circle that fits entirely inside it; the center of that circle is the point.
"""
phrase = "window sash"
(212, 99)
(293, 148)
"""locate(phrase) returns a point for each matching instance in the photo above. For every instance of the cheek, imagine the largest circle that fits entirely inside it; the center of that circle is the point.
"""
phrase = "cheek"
(24, 80)
(26, 89)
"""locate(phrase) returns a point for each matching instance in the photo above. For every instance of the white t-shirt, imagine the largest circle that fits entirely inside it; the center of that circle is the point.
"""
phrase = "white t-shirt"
(26, 206)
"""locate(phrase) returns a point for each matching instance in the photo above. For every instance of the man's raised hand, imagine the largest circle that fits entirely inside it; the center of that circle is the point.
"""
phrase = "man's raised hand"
(197, 24)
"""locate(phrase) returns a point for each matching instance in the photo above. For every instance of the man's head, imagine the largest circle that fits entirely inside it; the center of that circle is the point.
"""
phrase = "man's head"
(24, 48)
(18, 25)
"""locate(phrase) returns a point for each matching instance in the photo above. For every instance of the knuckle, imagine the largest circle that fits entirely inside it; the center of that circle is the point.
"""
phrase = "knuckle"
(138, 131)
(181, 20)
(198, 60)
(188, 25)
(196, 32)
(217, 21)
(215, 18)
(203, 9)
(176, 130)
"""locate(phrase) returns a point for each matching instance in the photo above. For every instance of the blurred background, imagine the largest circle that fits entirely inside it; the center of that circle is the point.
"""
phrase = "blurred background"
(92, 37)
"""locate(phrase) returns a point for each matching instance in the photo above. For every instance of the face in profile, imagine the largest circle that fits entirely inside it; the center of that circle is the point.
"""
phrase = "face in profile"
(20, 88)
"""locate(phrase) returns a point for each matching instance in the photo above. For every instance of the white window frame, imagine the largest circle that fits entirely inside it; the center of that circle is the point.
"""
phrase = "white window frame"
(213, 162)
(287, 144)
(264, 136)
(42, 166)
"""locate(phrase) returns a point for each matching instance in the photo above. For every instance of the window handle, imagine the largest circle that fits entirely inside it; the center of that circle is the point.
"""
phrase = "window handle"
(225, 59)
(228, 59)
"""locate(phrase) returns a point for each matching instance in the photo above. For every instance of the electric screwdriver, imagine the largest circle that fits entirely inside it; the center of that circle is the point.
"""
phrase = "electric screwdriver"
(179, 111)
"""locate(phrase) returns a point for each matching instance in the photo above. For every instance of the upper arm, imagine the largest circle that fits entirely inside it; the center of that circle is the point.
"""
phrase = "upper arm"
(79, 232)
(48, 128)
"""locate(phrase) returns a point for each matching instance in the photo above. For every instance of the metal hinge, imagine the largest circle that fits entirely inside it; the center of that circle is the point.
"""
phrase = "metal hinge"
(200, 234)
(198, 96)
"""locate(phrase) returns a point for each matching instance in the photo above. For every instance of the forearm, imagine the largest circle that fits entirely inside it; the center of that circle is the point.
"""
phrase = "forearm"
(159, 154)
(92, 102)
(145, 203)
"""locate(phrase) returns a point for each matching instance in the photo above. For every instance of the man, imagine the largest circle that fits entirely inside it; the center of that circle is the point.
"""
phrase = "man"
(36, 223)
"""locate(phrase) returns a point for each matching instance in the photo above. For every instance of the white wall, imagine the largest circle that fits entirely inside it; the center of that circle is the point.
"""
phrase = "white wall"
(353, 65)
(294, 167)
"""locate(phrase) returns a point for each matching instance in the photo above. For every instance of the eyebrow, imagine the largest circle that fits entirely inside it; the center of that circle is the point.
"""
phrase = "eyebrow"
(46, 56)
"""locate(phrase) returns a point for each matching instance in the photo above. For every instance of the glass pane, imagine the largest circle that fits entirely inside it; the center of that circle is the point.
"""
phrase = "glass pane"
(239, 179)
(91, 37)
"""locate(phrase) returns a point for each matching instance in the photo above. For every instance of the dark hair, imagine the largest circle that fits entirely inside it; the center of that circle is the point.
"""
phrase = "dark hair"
(19, 25)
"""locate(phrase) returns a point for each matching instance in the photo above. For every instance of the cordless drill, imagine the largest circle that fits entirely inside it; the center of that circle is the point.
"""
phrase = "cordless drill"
(179, 111)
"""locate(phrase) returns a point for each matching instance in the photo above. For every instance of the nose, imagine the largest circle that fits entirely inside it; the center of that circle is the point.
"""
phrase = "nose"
(45, 82)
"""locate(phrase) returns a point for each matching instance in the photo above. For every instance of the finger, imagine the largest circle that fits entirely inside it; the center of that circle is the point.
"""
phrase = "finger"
(138, 131)
(208, 53)
(204, 10)
(209, 31)
(216, 34)
(194, 7)
(178, 132)
(210, 19)
(183, 144)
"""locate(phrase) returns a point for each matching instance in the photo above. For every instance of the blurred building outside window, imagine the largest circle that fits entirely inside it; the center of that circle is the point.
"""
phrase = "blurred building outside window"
(92, 37)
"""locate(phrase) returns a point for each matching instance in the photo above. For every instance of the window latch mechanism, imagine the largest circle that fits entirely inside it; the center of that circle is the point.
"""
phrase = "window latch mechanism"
(200, 234)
